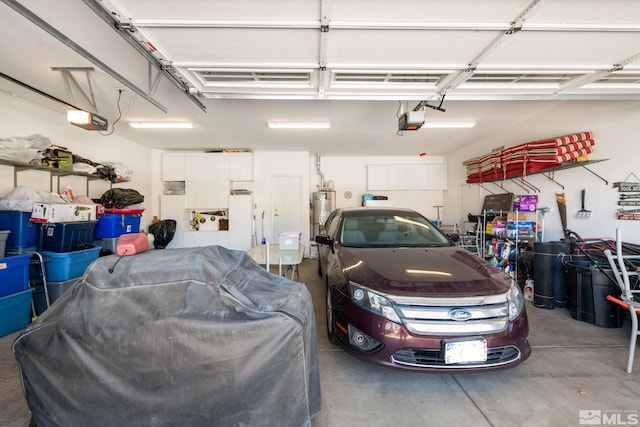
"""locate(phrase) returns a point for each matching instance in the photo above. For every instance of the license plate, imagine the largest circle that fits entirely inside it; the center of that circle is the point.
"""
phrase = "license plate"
(465, 351)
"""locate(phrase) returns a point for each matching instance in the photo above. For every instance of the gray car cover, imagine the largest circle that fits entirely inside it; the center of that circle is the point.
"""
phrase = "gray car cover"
(174, 337)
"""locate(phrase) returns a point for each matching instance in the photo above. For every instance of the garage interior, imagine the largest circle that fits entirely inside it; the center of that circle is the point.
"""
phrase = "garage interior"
(362, 74)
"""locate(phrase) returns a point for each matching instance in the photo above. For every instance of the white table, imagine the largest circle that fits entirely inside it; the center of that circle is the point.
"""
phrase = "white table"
(268, 254)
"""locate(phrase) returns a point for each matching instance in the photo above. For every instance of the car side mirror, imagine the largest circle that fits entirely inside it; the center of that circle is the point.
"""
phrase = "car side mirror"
(324, 239)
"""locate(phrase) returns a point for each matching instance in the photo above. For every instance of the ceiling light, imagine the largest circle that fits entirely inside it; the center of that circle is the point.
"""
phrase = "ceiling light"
(298, 125)
(448, 125)
(86, 120)
(161, 125)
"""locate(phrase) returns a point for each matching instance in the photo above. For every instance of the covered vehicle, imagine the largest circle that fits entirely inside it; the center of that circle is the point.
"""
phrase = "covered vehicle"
(401, 294)
(174, 337)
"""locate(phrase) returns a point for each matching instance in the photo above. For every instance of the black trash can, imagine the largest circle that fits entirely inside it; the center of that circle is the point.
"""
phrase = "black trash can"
(549, 275)
(588, 288)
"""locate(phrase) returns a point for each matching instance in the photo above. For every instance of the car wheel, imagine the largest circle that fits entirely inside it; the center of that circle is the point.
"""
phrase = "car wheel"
(331, 326)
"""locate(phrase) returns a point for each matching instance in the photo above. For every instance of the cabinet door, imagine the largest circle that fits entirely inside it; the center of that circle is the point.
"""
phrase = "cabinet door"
(173, 167)
(437, 177)
(217, 194)
(377, 177)
(241, 166)
(207, 194)
(173, 207)
(218, 166)
(240, 221)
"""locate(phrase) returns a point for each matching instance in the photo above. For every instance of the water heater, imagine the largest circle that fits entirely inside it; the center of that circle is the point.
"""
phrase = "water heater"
(324, 202)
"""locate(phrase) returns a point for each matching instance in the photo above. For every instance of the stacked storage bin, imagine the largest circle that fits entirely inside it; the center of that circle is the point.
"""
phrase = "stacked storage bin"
(24, 233)
(67, 250)
(15, 293)
(20, 237)
(113, 224)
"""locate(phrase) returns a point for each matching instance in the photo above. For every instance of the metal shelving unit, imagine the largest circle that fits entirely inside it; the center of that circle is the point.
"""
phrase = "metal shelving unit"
(54, 173)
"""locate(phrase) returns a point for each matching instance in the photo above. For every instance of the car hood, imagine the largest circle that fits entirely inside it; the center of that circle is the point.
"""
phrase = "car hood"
(442, 271)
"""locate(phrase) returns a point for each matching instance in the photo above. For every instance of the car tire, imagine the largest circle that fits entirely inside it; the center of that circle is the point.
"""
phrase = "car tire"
(331, 326)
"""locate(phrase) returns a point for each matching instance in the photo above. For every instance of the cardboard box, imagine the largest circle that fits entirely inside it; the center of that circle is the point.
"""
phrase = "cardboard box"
(289, 240)
(525, 203)
(63, 212)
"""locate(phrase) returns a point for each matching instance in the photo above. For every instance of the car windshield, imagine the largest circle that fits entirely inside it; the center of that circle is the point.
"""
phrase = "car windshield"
(396, 229)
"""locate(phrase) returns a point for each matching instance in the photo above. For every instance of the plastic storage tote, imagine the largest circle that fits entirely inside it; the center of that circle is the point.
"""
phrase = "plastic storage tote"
(55, 289)
(66, 236)
(24, 233)
(4, 235)
(588, 288)
(60, 267)
(15, 311)
(114, 225)
(14, 274)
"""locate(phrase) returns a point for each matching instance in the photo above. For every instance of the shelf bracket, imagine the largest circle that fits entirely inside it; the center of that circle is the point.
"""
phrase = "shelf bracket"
(530, 185)
(551, 178)
(486, 189)
(605, 181)
(520, 185)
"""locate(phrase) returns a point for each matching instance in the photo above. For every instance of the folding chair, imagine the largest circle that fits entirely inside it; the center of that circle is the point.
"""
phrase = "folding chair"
(622, 273)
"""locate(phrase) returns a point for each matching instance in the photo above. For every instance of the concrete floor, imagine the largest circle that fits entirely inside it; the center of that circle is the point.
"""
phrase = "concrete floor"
(574, 367)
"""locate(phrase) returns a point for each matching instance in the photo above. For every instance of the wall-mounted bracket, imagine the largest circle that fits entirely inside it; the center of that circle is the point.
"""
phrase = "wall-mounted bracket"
(550, 177)
(605, 181)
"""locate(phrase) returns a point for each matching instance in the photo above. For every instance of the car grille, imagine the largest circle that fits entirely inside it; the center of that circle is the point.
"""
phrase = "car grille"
(435, 358)
(437, 316)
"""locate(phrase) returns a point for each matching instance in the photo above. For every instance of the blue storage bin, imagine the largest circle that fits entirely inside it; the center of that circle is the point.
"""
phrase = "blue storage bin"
(66, 236)
(14, 274)
(24, 233)
(15, 311)
(115, 224)
(60, 267)
(55, 289)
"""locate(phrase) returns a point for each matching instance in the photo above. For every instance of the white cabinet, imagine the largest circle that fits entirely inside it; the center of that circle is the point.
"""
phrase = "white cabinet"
(207, 194)
(240, 221)
(406, 177)
(437, 177)
(241, 166)
(206, 166)
(172, 207)
(194, 239)
(173, 166)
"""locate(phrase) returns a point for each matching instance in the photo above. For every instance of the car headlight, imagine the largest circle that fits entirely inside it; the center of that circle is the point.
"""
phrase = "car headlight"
(515, 301)
(373, 302)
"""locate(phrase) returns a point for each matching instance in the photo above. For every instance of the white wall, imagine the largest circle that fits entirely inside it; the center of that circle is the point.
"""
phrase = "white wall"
(349, 173)
(20, 118)
(614, 124)
(615, 128)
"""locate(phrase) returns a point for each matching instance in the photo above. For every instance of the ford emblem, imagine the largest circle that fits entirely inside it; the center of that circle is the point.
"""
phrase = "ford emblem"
(458, 314)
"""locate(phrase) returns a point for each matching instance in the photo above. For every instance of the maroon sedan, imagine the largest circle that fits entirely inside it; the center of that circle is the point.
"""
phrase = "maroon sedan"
(401, 294)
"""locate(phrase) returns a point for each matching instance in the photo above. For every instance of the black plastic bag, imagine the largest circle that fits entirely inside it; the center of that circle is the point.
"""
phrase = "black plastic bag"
(120, 197)
(163, 232)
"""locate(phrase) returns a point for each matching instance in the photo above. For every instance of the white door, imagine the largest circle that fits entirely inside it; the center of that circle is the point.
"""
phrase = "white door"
(286, 214)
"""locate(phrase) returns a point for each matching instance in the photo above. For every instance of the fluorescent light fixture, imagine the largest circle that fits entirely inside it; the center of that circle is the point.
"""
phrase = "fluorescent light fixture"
(86, 120)
(161, 125)
(298, 125)
(448, 125)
